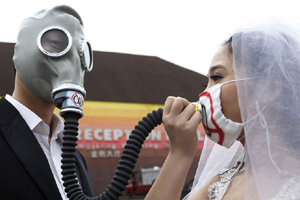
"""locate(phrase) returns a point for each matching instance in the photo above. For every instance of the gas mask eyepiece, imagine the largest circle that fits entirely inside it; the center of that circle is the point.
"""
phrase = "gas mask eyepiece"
(54, 41)
(86, 55)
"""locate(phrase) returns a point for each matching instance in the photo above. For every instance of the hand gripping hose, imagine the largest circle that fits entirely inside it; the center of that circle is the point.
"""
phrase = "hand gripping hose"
(126, 164)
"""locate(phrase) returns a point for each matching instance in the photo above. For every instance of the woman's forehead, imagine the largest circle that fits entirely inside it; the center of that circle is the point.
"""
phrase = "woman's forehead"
(222, 60)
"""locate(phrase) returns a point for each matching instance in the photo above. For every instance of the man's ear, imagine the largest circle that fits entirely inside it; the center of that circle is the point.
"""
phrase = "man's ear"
(271, 93)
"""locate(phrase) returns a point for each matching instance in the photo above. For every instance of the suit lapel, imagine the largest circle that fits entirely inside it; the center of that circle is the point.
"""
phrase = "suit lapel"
(27, 149)
(83, 176)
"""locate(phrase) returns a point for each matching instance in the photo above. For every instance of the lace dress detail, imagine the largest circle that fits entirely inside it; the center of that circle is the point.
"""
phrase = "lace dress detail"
(217, 190)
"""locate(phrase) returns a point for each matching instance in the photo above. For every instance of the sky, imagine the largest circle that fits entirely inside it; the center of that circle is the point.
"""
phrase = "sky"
(184, 32)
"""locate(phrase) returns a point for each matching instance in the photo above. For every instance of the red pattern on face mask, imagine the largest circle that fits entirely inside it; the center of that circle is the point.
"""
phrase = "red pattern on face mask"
(217, 130)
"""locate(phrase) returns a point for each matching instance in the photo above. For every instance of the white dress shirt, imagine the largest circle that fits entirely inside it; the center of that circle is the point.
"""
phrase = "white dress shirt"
(41, 131)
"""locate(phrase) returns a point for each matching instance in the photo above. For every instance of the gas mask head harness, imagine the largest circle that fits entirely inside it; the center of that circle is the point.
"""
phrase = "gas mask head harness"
(52, 55)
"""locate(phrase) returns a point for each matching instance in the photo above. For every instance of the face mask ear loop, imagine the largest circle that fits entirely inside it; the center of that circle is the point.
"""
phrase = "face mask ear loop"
(230, 81)
(249, 120)
(237, 80)
(265, 126)
(250, 126)
(241, 137)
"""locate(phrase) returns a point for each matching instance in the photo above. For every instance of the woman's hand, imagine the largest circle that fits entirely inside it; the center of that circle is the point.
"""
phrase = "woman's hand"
(181, 120)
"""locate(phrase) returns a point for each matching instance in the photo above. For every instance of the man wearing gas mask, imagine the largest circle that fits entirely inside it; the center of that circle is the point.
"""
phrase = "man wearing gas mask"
(51, 56)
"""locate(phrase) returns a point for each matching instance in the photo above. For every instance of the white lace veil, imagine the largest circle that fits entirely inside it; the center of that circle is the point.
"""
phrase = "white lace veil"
(270, 102)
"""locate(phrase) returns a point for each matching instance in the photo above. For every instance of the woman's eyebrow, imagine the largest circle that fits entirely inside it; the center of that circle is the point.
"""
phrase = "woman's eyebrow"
(216, 67)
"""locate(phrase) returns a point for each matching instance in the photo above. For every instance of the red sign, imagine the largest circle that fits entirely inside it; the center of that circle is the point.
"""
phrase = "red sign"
(115, 136)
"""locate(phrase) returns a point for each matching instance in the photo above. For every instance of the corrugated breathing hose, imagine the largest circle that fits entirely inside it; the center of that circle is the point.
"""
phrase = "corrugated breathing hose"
(126, 164)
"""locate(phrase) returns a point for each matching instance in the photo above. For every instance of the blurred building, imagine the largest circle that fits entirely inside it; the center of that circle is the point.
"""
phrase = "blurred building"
(121, 89)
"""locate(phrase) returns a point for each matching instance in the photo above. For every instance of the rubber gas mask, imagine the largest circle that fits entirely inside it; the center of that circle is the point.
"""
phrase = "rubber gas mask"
(52, 55)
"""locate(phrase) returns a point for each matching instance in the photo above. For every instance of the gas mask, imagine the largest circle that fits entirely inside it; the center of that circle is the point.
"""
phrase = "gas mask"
(217, 127)
(52, 55)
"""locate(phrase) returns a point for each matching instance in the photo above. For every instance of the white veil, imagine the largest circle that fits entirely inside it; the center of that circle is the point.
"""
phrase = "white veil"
(270, 104)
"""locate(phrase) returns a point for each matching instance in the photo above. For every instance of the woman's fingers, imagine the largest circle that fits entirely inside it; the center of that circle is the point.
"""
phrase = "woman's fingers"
(178, 105)
(175, 105)
(168, 104)
(187, 112)
(196, 118)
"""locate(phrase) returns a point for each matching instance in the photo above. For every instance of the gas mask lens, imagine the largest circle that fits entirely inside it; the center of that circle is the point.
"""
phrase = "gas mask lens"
(86, 55)
(54, 41)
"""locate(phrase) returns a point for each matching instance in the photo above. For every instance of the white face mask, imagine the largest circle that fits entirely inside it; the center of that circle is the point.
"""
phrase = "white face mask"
(217, 127)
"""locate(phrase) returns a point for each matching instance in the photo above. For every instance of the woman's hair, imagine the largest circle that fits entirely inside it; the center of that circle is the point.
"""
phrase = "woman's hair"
(227, 44)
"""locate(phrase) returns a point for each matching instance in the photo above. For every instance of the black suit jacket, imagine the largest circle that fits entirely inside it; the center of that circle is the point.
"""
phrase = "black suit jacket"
(24, 169)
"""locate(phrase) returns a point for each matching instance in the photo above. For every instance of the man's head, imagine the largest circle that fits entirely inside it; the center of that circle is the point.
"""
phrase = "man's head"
(52, 52)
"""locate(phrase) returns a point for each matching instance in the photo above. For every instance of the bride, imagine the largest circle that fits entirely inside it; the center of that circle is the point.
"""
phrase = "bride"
(250, 112)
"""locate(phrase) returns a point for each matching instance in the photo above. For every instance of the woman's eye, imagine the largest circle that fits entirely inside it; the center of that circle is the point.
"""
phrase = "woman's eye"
(216, 77)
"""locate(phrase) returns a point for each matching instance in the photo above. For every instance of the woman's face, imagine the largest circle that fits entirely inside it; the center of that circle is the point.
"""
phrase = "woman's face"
(220, 71)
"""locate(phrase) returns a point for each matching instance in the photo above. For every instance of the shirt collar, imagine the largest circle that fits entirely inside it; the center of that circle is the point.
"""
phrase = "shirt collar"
(33, 120)
(57, 127)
